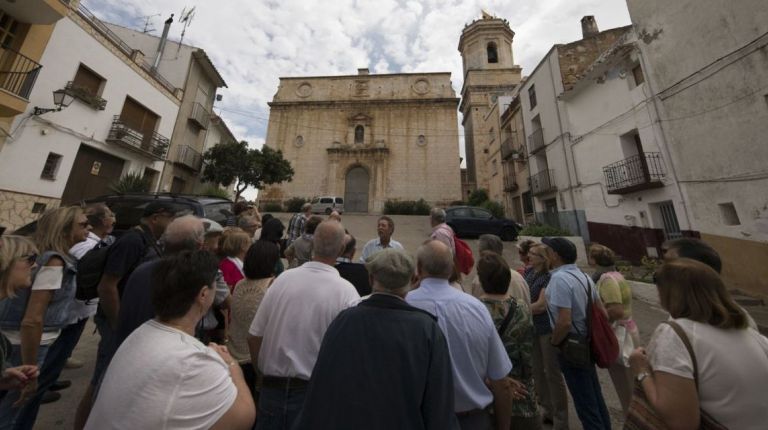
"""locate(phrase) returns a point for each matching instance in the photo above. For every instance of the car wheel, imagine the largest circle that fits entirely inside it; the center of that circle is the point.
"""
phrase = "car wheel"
(509, 234)
(328, 211)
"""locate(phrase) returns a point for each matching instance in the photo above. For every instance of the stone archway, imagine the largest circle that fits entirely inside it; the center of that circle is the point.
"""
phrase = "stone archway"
(356, 190)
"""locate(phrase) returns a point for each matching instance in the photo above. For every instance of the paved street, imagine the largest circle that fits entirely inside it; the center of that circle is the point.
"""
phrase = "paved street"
(410, 231)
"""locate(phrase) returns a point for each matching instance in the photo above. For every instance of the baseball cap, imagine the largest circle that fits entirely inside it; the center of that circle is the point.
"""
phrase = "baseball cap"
(393, 268)
(562, 247)
(211, 226)
(158, 207)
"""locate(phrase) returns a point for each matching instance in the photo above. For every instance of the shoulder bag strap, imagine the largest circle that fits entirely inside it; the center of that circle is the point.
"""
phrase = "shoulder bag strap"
(508, 317)
(687, 342)
(588, 290)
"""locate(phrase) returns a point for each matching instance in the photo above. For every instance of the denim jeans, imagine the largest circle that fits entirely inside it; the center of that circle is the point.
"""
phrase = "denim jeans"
(587, 396)
(278, 407)
(54, 362)
(9, 414)
(107, 348)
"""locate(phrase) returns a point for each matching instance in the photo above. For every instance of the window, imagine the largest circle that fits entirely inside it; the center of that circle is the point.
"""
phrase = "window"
(532, 96)
(339, 201)
(493, 52)
(482, 214)
(637, 74)
(87, 80)
(51, 166)
(494, 168)
(728, 214)
(326, 200)
(460, 213)
(527, 203)
(359, 134)
(38, 208)
(9, 28)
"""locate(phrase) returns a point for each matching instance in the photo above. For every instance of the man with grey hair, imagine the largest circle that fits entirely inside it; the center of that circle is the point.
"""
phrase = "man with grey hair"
(249, 224)
(285, 336)
(440, 230)
(477, 353)
(518, 288)
(407, 361)
(296, 224)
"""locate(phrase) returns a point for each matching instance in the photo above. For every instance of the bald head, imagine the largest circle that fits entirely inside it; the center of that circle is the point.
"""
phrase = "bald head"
(328, 241)
(434, 260)
(185, 233)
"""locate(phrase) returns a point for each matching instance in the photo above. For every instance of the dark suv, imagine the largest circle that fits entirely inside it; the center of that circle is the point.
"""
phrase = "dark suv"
(474, 221)
(129, 207)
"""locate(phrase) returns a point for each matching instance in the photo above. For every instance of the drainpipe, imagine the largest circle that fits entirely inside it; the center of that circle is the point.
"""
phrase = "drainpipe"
(565, 153)
(163, 39)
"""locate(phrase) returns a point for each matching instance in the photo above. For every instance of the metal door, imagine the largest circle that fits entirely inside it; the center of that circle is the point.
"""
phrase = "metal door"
(669, 220)
(356, 190)
(91, 176)
(550, 213)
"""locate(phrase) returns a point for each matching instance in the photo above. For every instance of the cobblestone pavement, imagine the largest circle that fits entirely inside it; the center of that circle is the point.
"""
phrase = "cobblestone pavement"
(411, 231)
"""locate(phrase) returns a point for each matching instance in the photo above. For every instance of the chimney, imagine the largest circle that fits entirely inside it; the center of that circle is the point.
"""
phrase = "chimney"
(163, 39)
(588, 26)
(363, 72)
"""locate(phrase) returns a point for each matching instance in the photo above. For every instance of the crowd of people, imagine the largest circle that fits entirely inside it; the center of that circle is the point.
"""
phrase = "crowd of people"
(203, 326)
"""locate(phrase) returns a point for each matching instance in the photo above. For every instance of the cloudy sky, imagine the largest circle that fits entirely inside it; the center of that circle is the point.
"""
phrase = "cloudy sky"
(254, 42)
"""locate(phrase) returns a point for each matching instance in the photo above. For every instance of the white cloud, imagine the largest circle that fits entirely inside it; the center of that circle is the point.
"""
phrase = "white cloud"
(254, 42)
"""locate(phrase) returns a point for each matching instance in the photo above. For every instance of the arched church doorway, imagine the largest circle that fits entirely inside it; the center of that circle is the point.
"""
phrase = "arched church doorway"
(356, 190)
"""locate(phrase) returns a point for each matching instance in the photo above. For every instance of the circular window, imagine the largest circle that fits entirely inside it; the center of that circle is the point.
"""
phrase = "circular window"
(421, 140)
(304, 90)
(299, 142)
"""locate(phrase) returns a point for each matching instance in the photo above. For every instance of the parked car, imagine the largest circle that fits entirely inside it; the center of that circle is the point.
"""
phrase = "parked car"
(327, 204)
(474, 221)
(128, 208)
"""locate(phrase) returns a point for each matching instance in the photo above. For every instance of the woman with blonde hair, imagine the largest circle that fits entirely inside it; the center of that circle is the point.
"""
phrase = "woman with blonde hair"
(616, 295)
(706, 363)
(233, 247)
(33, 320)
(546, 370)
(17, 259)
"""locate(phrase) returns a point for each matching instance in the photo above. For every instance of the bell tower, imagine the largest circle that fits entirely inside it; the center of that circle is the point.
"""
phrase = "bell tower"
(489, 72)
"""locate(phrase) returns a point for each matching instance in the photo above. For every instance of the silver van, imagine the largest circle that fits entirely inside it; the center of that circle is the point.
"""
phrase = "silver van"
(327, 204)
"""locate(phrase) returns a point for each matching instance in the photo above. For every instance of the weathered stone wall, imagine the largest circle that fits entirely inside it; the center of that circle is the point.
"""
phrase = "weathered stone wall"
(576, 57)
(16, 208)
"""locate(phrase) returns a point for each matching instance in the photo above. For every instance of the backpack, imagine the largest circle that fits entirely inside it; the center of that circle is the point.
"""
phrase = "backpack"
(464, 257)
(602, 339)
(90, 268)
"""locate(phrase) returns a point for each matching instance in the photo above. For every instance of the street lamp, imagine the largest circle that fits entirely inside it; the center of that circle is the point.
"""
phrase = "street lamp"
(61, 98)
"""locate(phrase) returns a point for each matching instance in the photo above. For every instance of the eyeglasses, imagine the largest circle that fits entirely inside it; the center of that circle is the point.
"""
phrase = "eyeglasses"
(84, 224)
(29, 259)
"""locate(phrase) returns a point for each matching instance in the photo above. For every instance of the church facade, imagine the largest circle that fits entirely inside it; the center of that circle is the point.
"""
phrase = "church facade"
(367, 138)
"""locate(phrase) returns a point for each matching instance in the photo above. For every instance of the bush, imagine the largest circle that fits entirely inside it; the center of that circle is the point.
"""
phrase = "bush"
(294, 204)
(478, 197)
(541, 230)
(133, 182)
(496, 208)
(406, 207)
(214, 191)
(273, 207)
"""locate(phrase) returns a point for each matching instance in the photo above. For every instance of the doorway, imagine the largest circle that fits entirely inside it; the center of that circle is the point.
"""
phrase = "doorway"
(356, 190)
(91, 176)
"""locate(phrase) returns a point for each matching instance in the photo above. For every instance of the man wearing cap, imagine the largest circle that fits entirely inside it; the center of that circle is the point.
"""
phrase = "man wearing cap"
(405, 382)
(285, 335)
(567, 299)
(477, 353)
(134, 247)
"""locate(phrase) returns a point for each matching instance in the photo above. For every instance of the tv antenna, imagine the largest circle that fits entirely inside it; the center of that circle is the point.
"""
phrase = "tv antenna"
(148, 27)
(186, 20)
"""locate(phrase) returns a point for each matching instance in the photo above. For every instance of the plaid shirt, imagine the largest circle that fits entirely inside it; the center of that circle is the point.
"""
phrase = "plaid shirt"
(296, 227)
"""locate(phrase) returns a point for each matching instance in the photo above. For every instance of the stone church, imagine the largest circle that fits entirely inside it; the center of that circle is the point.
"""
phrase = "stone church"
(367, 138)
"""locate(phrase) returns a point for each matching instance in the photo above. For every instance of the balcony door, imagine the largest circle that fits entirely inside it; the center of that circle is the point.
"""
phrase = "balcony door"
(137, 117)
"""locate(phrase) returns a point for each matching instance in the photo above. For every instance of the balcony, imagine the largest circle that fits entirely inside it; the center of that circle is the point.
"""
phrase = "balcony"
(151, 145)
(536, 141)
(542, 182)
(18, 74)
(200, 115)
(189, 157)
(85, 95)
(507, 148)
(37, 11)
(510, 184)
(638, 172)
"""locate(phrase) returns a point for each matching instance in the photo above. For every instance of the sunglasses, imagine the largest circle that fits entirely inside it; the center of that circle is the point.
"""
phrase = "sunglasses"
(30, 259)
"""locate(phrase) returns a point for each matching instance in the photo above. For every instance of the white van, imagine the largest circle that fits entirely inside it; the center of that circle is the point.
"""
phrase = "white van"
(327, 204)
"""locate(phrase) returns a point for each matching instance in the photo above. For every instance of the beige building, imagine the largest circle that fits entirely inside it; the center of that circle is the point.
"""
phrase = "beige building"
(517, 200)
(489, 73)
(367, 138)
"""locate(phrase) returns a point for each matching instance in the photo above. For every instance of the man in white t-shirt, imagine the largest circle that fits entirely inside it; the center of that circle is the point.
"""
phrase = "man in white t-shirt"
(289, 325)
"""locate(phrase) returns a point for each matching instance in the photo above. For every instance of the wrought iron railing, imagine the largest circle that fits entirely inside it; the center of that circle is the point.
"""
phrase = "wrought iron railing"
(536, 141)
(18, 72)
(510, 184)
(200, 115)
(542, 182)
(188, 156)
(86, 95)
(152, 144)
(635, 173)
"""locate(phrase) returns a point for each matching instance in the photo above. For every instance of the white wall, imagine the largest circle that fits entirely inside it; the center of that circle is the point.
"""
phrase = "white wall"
(22, 158)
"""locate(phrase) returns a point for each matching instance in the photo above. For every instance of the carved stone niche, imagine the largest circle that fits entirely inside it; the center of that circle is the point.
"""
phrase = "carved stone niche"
(359, 130)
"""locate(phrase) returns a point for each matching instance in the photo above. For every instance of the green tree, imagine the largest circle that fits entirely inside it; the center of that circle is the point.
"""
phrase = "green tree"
(234, 162)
